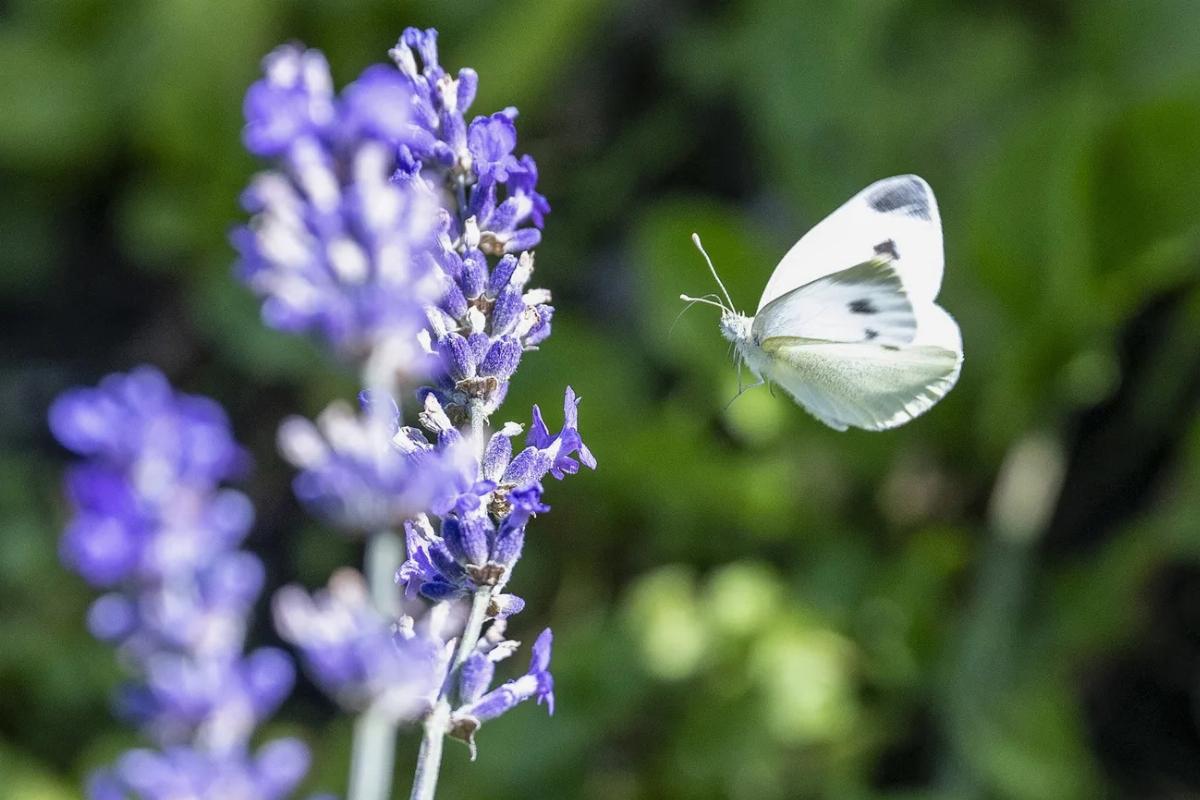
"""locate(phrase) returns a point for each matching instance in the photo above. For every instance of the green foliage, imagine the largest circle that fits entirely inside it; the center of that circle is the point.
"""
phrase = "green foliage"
(746, 604)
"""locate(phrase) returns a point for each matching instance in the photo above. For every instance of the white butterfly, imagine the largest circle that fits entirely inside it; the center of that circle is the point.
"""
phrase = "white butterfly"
(847, 323)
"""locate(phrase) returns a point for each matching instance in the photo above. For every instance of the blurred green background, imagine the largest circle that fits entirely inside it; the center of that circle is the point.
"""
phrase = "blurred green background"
(999, 600)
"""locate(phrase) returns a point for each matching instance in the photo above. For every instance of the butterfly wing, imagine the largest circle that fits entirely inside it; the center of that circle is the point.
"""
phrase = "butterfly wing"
(871, 382)
(896, 218)
(863, 385)
(865, 303)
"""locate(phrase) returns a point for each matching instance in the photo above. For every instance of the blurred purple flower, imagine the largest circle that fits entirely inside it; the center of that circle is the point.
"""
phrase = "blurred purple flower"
(153, 524)
(333, 243)
(365, 473)
(293, 101)
(357, 655)
(185, 772)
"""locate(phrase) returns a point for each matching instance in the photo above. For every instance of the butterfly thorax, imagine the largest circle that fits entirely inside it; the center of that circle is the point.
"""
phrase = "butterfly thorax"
(740, 330)
(735, 327)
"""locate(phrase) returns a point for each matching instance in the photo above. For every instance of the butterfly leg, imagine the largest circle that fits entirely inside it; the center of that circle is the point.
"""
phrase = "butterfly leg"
(743, 389)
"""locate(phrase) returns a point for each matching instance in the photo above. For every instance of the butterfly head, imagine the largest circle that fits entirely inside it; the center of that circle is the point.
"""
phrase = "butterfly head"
(736, 327)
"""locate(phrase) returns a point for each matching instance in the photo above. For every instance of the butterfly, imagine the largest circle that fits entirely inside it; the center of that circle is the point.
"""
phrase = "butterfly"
(847, 323)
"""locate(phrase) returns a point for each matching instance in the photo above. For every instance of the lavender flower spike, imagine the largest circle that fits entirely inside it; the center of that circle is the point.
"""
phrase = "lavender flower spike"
(333, 246)
(401, 229)
(154, 526)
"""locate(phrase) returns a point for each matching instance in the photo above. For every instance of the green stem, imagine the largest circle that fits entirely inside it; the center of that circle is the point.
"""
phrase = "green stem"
(478, 429)
(470, 637)
(429, 759)
(371, 761)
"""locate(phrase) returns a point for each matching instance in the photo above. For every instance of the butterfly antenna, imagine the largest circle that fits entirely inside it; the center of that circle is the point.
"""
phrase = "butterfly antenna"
(691, 302)
(700, 247)
(714, 303)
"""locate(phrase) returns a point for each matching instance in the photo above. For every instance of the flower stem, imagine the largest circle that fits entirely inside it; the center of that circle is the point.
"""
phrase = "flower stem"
(371, 761)
(385, 553)
(429, 759)
(478, 430)
(474, 627)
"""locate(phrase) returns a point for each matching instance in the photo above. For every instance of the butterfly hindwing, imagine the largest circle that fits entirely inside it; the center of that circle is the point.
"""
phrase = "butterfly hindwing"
(865, 303)
(895, 218)
(864, 385)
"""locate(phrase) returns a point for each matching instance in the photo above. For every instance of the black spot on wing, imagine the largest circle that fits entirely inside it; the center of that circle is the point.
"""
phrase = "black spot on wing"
(863, 306)
(905, 195)
(871, 334)
(887, 248)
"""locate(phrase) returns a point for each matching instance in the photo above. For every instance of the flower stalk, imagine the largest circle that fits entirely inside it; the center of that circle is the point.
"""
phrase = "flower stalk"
(373, 754)
(401, 231)
(429, 757)
(373, 750)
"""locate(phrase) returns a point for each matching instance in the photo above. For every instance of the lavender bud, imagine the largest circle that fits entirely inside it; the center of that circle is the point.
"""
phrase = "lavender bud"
(502, 273)
(475, 274)
(477, 673)
(507, 312)
(523, 240)
(457, 357)
(502, 359)
(468, 82)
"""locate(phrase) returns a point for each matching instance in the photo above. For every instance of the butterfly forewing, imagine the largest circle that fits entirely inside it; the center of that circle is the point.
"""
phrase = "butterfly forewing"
(865, 303)
(895, 218)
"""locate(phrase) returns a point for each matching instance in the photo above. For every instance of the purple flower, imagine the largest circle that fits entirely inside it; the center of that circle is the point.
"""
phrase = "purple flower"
(479, 350)
(544, 454)
(403, 236)
(147, 503)
(566, 443)
(293, 101)
(219, 701)
(485, 316)
(524, 191)
(138, 423)
(482, 531)
(153, 524)
(334, 244)
(179, 771)
(477, 707)
(377, 105)
(365, 473)
(354, 652)
(491, 141)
